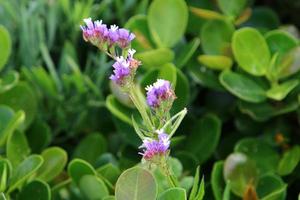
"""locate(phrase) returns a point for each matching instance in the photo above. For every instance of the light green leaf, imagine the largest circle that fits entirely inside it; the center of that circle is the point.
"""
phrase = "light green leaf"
(173, 193)
(206, 14)
(215, 62)
(232, 8)
(10, 80)
(167, 21)
(5, 46)
(279, 92)
(93, 188)
(136, 184)
(242, 86)
(289, 161)
(79, 168)
(251, 51)
(55, 159)
(156, 57)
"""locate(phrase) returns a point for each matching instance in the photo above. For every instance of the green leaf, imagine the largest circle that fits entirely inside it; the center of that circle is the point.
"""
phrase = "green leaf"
(136, 184)
(232, 8)
(168, 72)
(182, 91)
(173, 193)
(262, 153)
(279, 92)
(9, 81)
(239, 172)
(119, 110)
(215, 62)
(264, 111)
(4, 174)
(206, 14)
(35, 190)
(242, 86)
(93, 188)
(55, 159)
(167, 21)
(197, 192)
(39, 136)
(217, 181)
(156, 57)
(5, 44)
(138, 24)
(78, 168)
(24, 171)
(271, 187)
(289, 161)
(204, 137)
(90, 148)
(10, 122)
(254, 62)
(216, 37)
(186, 53)
(17, 148)
(110, 172)
(21, 97)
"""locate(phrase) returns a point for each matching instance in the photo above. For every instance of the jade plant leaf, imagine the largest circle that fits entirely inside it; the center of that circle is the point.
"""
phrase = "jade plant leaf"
(216, 37)
(21, 97)
(244, 42)
(173, 193)
(24, 171)
(155, 57)
(239, 172)
(136, 184)
(93, 188)
(242, 86)
(289, 161)
(204, 137)
(279, 92)
(167, 21)
(271, 187)
(265, 157)
(79, 168)
(55, 159)
(17, 148)
(215, 62)
(206, 14)
(5, 43)
(90, 148)
(232, 8)
(35, 190)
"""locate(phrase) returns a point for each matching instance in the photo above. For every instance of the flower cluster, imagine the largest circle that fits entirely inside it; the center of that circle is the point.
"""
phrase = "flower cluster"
(124, 69)
(99, 35)
(160, 93)
(153, 147)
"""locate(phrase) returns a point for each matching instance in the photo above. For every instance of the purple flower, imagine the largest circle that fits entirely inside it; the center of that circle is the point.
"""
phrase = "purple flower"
(154, 147)
(160, 91)
(113, 35)
(121, 70)
(125, 37)
(94, 32)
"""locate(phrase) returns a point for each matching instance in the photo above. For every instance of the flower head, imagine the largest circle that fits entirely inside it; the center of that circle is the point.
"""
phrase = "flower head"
(125, 37)
(113, 35)
(94, 32)
(121, 70)
(155, 147)
(160, 92)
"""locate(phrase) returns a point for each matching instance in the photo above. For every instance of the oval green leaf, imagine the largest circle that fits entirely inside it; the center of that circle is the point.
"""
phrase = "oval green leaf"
(79, 168)
(35, 190)
(215, 62)
(167, 21)
(156, 57)
(93, 188)
(5, 44)
(289, 161)
(242, 86)
(173, 193)
(279, 92)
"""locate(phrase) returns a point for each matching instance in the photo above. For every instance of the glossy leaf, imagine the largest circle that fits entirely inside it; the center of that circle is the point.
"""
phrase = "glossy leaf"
(254, 62)
(5, 43)
(206, 14)
(156, 57)
(271, 187)
(79, 168)
(242, 86)
(289, 161)
(17, 148)
(215, 62)
(93, 187)
(204, 137)
(136, 184)
(35, 190)
(167, 21)
(55, 159)
(279, 92)
(216, 37)
(24, 171)
(173, 193)
(232, 8)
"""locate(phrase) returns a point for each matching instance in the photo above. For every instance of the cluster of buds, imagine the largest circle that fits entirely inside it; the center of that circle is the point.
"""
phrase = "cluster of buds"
(99, 35)
(160, 96)
(155, 148)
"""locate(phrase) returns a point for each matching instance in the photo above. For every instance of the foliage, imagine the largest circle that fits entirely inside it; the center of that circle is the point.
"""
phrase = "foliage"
(66, 132)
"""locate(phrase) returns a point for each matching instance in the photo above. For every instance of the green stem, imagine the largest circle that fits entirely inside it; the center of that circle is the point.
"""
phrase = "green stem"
(166, 170)
(139, 105)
